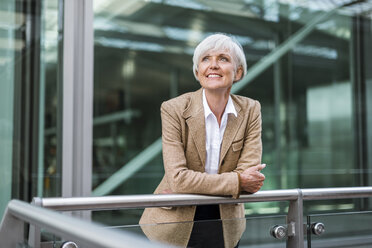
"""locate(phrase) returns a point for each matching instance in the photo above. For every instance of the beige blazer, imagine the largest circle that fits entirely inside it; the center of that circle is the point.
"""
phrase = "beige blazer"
(184, 154)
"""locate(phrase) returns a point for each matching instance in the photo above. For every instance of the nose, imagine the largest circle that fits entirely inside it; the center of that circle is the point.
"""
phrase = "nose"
(214, 63)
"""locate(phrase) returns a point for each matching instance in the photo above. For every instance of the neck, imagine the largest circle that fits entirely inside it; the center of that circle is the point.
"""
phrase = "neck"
(217, 101)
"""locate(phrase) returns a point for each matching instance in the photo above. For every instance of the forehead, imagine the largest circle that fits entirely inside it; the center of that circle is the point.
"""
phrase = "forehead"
(217, 52)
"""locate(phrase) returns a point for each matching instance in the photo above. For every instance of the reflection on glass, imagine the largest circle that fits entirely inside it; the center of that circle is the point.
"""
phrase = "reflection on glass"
(358, 232)
(28, 72)
(257, 231)
(143, 55)
(49, 173)
(8, 47)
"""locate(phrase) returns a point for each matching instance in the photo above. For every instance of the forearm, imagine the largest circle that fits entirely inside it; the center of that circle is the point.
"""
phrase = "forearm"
(182, 180)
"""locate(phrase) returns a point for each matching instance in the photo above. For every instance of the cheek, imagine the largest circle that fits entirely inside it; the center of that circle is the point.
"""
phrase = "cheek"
(232, 72)
(200, 77)
(201, 67)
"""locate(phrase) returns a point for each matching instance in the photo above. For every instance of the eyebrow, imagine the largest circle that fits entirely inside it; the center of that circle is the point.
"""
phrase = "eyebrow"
(221, 54)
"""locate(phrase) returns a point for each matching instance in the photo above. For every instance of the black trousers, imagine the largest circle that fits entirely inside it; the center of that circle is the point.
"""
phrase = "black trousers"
(207, 230)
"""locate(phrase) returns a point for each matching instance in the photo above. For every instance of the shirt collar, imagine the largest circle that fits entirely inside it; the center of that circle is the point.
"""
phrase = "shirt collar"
(229, 109)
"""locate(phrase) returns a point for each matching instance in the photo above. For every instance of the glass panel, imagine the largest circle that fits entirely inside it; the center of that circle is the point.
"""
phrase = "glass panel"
(8, 47)
(342, 230)
(23, 245)
(48, 168)
(28, 100)
(52, 240)
(47, 239)
(308, 123)
(143, 52)
(256, 234)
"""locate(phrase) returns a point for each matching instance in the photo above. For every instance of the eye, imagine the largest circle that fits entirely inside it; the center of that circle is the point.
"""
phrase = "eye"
(224, 59)
(206, 58)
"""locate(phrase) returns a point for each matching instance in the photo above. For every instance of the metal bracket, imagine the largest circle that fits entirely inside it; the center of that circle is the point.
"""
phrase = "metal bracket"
(317, 228)
(291, 229)
(283, 231)
(279, 231)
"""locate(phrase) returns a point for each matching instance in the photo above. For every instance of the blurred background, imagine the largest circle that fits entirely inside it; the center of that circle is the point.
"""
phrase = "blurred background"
(316, 96)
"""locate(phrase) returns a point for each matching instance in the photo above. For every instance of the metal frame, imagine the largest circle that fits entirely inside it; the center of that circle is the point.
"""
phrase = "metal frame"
(294, 196)
(368, 76)
(75, 94)
(77, 103)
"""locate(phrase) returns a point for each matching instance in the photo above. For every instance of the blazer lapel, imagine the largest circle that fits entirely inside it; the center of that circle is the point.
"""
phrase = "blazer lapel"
(232, 127)
(195, 120)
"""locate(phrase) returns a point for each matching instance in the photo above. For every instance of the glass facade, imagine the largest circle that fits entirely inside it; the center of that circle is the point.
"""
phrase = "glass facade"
(6, 99)
(28, 100)
(309, 65)
(49, 171)
(336, 234)
(143, 56)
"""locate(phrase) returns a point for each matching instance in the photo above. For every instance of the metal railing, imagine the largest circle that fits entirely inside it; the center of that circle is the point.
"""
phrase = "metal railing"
(294, 229)
(294, 226)
(85, 233)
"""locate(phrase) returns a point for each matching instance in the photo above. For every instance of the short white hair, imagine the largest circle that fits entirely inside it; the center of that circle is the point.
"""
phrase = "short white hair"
(217, 42)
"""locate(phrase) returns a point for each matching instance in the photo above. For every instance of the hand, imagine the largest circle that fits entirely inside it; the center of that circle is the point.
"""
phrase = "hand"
(251, 180)
(167, 191)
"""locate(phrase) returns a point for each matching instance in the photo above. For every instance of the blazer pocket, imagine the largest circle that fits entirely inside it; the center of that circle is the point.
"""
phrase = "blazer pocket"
(237, 145)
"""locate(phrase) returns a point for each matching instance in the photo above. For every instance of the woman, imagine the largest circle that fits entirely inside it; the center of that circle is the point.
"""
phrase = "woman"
(211, 145)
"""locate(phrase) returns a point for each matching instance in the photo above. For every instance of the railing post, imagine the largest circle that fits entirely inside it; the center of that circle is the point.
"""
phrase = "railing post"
(34, 233)
(295, 222)
(11, 230)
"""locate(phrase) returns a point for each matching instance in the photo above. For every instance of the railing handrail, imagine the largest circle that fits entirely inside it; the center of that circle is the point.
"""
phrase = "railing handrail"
(76, 229)
(163, 200)
(336, 193)
(90, 234)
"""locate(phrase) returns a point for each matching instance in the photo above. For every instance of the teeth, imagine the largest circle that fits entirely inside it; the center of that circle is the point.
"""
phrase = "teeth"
(214, 76)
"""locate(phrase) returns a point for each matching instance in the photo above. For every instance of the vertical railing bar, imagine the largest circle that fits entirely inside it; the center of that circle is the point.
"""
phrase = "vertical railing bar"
(11, 229)
(34, 234)
(295, 222)
(308, 233)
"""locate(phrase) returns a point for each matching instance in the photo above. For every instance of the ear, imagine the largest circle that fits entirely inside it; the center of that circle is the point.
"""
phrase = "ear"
(197, 75)
(238, 74)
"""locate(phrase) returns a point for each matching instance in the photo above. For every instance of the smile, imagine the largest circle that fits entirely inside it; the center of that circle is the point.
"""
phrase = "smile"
(213, 76)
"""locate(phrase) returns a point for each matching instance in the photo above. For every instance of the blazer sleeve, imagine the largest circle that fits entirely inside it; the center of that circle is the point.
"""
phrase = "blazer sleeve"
(179, 177)
(251, 153)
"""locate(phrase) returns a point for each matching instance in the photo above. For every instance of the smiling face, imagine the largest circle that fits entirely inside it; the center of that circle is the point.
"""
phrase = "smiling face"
(217, 71)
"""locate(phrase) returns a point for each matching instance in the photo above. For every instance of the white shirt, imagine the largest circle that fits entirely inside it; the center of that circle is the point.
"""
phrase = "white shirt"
(214, 134)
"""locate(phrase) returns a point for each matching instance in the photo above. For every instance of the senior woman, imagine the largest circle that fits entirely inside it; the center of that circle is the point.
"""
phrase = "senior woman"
(211, 145)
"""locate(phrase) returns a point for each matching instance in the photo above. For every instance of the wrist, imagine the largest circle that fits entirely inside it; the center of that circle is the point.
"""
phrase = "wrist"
(239, 185)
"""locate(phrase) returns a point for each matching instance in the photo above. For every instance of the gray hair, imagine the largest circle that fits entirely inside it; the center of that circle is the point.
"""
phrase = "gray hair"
(220, 42)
